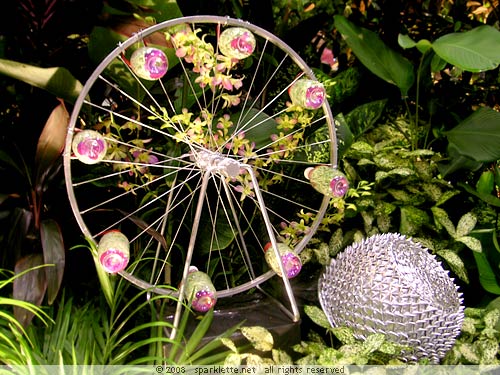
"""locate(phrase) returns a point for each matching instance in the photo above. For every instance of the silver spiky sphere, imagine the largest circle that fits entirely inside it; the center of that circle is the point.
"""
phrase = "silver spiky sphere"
(392, 285)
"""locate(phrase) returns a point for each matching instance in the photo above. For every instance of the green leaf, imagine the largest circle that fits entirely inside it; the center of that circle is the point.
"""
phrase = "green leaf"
(469, 352)
(281, 357)
(260, 337)
(472, 243)
(486, 275)
(57, 81)
(423, 45)
(345, 335)
(406, 42)
(373, 342)
(394, 173)
(486, 183)
(475, 50)
(344, 136)
(215, 234)
(478, 136)
(491, 318)
(466, 224)
(457, 161)
(455, 263)
(197, 335)
(446, 196)
(443, 221)
(364, 117)
(257, 126)
(488, 349)
(317, 316)
(437, 63)
(53, 254)
(228, 343)
(342, 86)
(376, 56)
(488, 198)
(412, 219)
(233, 360)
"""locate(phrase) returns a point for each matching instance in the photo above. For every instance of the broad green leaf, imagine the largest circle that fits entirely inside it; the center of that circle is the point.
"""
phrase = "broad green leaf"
(488, 198)
(469, 352)
(466, 224)
(260, 337)
(491, 318)
(336, 242)
(228, 343)
(343, 134)
(57, 81)
(328, 357)
(394, 173)
(486, 182)
(423, 45)
(317, 147)
(233, 360)
(478, 136)
(342, 86)
(373, 342)
(257, 126)
(161, 10)
(322, 254)
(446, 196)
(345, 335)
(486, 275)
(216, 235)
(53, 254)
(475, 50)
(317, 316)
(360, 150)
(472, 243)
(51, 142)
(364, 117)
(458, 161)
(442, 220)
(30, 286)
(376, 56)
(468, 326)
(488, 349)
(412, 219)
(406, 42)
(281, 357)
(437, 63)
(455, 263)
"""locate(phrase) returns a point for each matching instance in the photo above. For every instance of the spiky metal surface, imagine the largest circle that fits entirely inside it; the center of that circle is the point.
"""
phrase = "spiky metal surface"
(392, 285)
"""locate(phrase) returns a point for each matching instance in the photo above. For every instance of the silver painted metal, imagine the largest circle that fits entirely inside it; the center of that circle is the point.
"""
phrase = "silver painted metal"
(211, 165)
(392, 285)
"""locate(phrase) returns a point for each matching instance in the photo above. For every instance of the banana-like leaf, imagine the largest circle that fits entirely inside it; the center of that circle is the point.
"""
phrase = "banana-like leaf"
(57, 81)
(478, 136)
(381, 60)
(476, 50)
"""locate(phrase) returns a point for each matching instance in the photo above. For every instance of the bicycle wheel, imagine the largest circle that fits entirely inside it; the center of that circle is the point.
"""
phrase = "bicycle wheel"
(194, 152)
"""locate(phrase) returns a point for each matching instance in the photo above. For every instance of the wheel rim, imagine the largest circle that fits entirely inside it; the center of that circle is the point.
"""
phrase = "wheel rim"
(193, 161)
